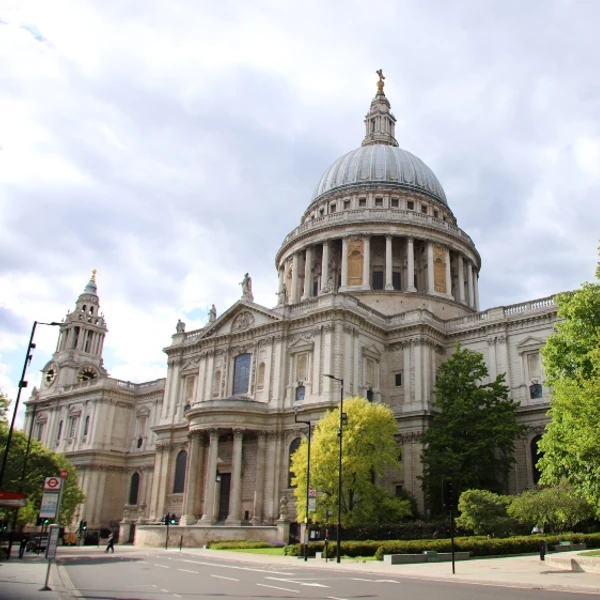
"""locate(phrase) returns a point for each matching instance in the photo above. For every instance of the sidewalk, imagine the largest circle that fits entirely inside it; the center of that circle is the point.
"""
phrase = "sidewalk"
(23, 578)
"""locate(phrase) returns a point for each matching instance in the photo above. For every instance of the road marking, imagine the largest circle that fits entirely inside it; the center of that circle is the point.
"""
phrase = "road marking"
(386, 581)
(274, 587)
(163, 590)
(188, 571)
(336, 598)
(296, 582)
(177, 596)
(223, 577)
(197, 562)
(161, 566)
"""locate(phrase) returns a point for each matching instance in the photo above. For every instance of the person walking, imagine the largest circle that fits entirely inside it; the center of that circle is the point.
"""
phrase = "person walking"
(111, 543)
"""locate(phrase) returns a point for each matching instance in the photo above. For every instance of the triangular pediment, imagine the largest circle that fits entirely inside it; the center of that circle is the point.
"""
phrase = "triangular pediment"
(240, 317)
(372, 351)
(530, 343)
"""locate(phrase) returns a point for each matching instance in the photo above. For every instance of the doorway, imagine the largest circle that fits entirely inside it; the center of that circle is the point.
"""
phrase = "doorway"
(224, 496)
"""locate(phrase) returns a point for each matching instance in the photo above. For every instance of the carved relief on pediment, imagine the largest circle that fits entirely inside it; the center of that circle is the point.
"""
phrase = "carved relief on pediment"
(243, 321)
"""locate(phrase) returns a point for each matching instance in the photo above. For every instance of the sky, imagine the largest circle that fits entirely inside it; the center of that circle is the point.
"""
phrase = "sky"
(173, 144)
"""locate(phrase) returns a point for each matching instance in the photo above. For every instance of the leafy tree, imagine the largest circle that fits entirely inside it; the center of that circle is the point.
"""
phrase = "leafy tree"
(483, 512)
(472, 436)
(570, 446)
(4, 404)
(41, 463)
(556, 508)
(369, 449)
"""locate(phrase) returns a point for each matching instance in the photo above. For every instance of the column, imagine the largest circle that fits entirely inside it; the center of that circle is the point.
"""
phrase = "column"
(294, 296)
(325, 267)
(430, 285)
(235, 502)
(344, 283)
(307, 274)
(211, 475)
(410, 255)
(470, 284)
(406, 374)
(280, 297)
(476, 290)
(418, 377)
(461, 280)
(367, 263)
(448, 274)
(389, 284)
(492, 369)
(259, 491)
(191, 477)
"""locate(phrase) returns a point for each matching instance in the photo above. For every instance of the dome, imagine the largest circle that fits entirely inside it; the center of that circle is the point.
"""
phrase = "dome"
(380, 163)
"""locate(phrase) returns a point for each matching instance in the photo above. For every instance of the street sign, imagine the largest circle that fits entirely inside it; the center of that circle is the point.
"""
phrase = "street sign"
(312, 491)
(64, 474)
(52, 542)
(312, 505)
(49, 505)
(52, 484)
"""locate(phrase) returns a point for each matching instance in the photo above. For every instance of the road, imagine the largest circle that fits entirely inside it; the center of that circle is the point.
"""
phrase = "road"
(165, 576)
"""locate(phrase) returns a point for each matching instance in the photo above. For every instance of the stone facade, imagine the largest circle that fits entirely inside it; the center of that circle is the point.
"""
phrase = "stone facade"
(376, 286)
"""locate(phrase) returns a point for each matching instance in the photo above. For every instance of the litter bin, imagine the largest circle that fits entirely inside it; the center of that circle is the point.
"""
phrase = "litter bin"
(542, 550)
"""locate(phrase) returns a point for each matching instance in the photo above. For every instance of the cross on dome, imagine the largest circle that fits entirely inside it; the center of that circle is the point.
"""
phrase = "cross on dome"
(380, 123)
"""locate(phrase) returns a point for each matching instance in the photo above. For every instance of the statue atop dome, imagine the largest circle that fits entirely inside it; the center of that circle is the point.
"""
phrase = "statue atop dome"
(380, 83)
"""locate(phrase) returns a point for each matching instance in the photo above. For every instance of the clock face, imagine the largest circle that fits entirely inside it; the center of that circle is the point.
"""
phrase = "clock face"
(86, 374)
(50, 375)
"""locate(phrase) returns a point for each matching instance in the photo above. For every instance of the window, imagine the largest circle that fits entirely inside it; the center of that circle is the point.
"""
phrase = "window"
(86, 425)
(134, 487)
(395, 203)
(140, 441)
(399, 491)
(396, 280)
(179, 482)
(398, 379)
(410, 205)
(217, 384)
(73, 426)
(535, 391)
(260, 380)
(321, 212)
(370, 395)
(315, 290)
(241, 374)
(436, 214)
(362, 202)
(377, 280)
(369, 372)
(301, 366)
(379, 201)
(40, 430)
(189, 387)
(60, 428)
(346, 204)
(300, 392)
(533, 365)
(424, 208)
(536, 455)
(332, 208)
(293, 447)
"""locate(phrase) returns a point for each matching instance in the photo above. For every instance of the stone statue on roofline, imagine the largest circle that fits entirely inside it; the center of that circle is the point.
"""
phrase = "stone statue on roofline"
(212, 314)
(180, 327)
(247, 288)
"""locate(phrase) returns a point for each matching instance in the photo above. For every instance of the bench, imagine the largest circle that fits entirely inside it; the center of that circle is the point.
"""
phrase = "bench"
(568, 547)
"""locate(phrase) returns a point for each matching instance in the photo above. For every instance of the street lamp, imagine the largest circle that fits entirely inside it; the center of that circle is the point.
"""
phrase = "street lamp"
(340, 428)
(296, 420)
(22, 384)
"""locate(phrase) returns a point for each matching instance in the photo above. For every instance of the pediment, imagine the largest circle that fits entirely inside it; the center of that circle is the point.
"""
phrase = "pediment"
(301, 345)
(530, 343)
(372, 351)
(241, 317)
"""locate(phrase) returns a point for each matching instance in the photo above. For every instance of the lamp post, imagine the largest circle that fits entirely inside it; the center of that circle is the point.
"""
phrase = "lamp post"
(22, 384)
(296, 420)
(340, 429)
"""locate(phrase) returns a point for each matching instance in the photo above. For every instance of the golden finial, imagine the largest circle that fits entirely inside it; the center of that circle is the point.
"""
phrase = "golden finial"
(380, 83)
(93, 277)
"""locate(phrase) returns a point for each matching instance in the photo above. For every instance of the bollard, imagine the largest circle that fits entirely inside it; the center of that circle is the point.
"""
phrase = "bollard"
(542, 550)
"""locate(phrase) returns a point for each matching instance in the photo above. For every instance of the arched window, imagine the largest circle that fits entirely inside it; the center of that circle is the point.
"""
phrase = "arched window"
(535, 457)
(293, 447)
(179, 482)
(241, 374)
(134, 488)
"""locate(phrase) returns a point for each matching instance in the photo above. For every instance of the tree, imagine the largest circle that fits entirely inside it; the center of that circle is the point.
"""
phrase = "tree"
(41, 463)
(4, 404)
(483, 512)
(556, 508)
(570, 447)
(369, 449)
(472, 436)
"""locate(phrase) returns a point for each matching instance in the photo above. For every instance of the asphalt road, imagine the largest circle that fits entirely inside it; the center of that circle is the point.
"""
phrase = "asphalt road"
(157, 576)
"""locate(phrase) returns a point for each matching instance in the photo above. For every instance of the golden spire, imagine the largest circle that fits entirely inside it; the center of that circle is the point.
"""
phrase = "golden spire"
(93, 277)
(380, 83)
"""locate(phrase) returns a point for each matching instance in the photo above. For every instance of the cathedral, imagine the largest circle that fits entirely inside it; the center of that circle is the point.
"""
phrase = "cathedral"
(376, 285)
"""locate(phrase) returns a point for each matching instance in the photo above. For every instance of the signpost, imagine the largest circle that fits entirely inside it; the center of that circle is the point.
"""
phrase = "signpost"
(51, 498)
(51, 551)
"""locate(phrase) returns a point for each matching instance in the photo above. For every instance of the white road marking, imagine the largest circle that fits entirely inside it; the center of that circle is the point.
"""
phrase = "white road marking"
(188, 571)
(161, 566)
(336, 598)
(296, 582)
(163, 590)
(197, 562)
(358, 579)
(177, 596)
(274, 587)
(223, 577)
(386, 581)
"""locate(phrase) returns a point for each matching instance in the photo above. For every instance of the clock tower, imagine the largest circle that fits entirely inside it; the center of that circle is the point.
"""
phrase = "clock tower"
(78, 355)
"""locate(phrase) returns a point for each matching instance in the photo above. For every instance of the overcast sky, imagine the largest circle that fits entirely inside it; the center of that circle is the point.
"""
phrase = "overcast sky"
(173, 144)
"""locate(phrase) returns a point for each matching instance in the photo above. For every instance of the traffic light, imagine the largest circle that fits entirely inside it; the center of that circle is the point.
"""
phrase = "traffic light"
(83, 525)
(3, 525)
(166, 519)
(449, 497)
(173, 520)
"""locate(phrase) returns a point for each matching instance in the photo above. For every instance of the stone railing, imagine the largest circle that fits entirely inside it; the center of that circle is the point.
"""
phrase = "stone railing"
(147, 386)
(529, 306)
(376, 215)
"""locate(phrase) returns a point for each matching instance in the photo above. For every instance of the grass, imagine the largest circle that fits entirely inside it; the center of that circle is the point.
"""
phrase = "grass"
(590, 553)
(270, 551)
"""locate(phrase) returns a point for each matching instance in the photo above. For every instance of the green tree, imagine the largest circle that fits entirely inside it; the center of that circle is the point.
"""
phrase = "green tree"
(4, 404)
(41, 463)
(472, 436)
(483, 512)
(557, 508)
(369, 450)
(570, 447)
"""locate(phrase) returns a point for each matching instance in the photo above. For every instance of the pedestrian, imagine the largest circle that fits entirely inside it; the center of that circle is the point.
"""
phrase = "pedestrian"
(23, 546)
(111, 543)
